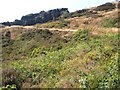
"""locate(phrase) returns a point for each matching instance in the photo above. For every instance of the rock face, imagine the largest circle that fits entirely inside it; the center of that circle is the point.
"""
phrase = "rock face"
(106, 7)
(41, 17)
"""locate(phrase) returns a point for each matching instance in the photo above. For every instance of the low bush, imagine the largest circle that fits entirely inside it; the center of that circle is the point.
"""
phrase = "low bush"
(81, 35)
(8, 87)
(110, 22)
(11, 77)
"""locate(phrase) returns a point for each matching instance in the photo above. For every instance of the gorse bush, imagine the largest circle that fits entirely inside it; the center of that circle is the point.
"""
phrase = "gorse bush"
(9, 87)
(41, 51)
(81, 35)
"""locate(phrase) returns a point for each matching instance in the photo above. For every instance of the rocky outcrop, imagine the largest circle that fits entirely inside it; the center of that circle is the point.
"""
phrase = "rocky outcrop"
(93, 11)
(56, 14)
(105, 7)
(41, 17)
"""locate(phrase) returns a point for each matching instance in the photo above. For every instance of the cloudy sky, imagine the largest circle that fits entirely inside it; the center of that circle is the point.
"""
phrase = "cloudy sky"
(15, 9)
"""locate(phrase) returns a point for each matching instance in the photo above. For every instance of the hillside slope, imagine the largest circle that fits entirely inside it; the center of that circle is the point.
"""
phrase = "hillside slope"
(44, 59)
(76, 52)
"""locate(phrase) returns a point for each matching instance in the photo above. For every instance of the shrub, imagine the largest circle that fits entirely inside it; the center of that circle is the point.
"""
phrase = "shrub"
(10, 77)
(110, 22)
(8, 35)
(6, 39)
(81, 35)
(7, 42)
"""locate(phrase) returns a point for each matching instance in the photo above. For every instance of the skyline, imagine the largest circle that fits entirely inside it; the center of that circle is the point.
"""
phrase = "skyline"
(15, 9)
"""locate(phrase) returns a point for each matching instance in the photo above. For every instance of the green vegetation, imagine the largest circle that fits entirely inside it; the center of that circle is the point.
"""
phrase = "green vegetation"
(81, 35)
(41, 58)
(22, 47)
(51, 61)
(57, 24)
(9, 87)
(110, 22)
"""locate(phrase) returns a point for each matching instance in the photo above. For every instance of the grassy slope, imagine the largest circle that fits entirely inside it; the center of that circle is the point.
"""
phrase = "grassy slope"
(84, 61)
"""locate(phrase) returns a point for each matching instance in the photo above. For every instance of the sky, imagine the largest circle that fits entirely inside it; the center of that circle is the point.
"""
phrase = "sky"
(15, 9)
